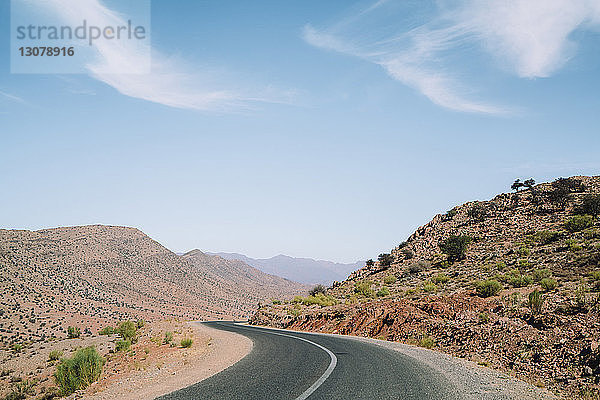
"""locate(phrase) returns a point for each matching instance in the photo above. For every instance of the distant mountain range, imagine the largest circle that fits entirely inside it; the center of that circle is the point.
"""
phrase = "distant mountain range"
(303, 270)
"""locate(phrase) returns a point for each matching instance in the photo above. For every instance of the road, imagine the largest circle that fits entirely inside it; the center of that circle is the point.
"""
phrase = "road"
(297, 366)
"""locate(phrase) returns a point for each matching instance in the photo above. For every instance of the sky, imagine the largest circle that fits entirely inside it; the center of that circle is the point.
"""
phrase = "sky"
(329, 130)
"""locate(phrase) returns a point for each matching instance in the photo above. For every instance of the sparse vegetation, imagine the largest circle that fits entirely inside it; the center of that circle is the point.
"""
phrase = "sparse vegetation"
(548, 284)
(319, 299)
(109, 330)
(128, 331)
(384, 291)
(579, 223)
(455, 247)
(488, 288)
(546, 237)
(186, 343)
(430, 287)
(536, 302)
(385, 259)
(440, 278)
(317, 289)
(122, 345)
(80, 371)
(390, 279)
(418, 266)
(21, 390)
(55, 355)
(427, 342)
(540, 274)
(73, 332)
(477, 212)
(168, 338)
(364, 288)
(591, 205)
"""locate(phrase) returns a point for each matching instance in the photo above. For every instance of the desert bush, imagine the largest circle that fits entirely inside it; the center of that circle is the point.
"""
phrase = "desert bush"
(297, 299)
(484, 318)
(408, 253)
(370, 262)
(55, 355)
(595, 280)
(390, 279)
(430, 287)
(276, 301)
(384, 291)
(320, 299)
(426, 341)
(455, 247)
(440, 278)
(591, 205)
(364, 288)
(186, 343)
(516, 279)
(73, 332)
(546, 237)
(548, 284)
(123, 345)
(168, 337)
(536, 302)
(80, 371)
(128, 331)
(21, 390)
(418, 266)
(477, 212)
(488, 288)
(451, 214)
(16, 348)
(524, 251)
(109, 330)
(385, 259)
(573, 245)
(579, 223)
(317, 289)
(140, 323)
(540, 274)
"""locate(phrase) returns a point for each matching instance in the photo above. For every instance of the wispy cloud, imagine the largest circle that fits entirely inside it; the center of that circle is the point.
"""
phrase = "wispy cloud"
(11, 97)
(529, 38)
(170, 80)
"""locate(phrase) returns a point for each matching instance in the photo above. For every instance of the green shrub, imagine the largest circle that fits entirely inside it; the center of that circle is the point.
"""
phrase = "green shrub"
(427, 342)
(186, 343)
(73, 332)
(385, 259)
(516, 279)
(168, 337)
(451, 214)
(80, 371)
(540, 274)
(298, 299)
(524, 263)
(441, 278)
(579, 223)
(390, 279)
(484, 318)
(418, 266)
(55, 355)
(109, 330)
(595, 280)
(455, 247)
(524, 251)
(140, 323)
(573, 245)
(384, 291)
(548, 284)
(364, 289)
(21, 390)
(317, 289)
(128, 331)
(123, 345)
(546, 237)
(488, 288)
(17, 347)
(276, 302)
(536, 302)
(320, 299)
(430, 287)
(591, 205)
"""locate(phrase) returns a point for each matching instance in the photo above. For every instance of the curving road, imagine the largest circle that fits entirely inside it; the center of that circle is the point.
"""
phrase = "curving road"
(296, 366)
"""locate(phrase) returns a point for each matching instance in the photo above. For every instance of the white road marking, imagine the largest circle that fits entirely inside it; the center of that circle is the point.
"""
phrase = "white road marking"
(323, 377)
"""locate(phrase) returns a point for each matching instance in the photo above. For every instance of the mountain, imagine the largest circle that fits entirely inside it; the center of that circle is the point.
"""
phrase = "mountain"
(92, 276)
(305, 270)
(512, 283)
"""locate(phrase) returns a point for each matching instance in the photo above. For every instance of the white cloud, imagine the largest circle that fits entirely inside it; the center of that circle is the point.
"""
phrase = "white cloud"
(168, 81)
(530, 38)
(11, 97)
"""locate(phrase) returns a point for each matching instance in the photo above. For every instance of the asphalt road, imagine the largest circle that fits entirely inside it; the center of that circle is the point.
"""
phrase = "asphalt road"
(297, 366)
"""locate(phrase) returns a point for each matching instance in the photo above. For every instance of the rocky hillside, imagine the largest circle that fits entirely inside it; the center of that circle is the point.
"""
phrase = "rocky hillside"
(305, 270)
(513, 283)
(92, 276)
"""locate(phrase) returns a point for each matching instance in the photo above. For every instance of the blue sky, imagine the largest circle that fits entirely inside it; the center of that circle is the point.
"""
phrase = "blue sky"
(320, 129)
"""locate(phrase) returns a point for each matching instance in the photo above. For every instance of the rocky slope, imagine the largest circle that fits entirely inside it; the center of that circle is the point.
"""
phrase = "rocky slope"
(92, 276)
(477, 305)
(305, 270)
